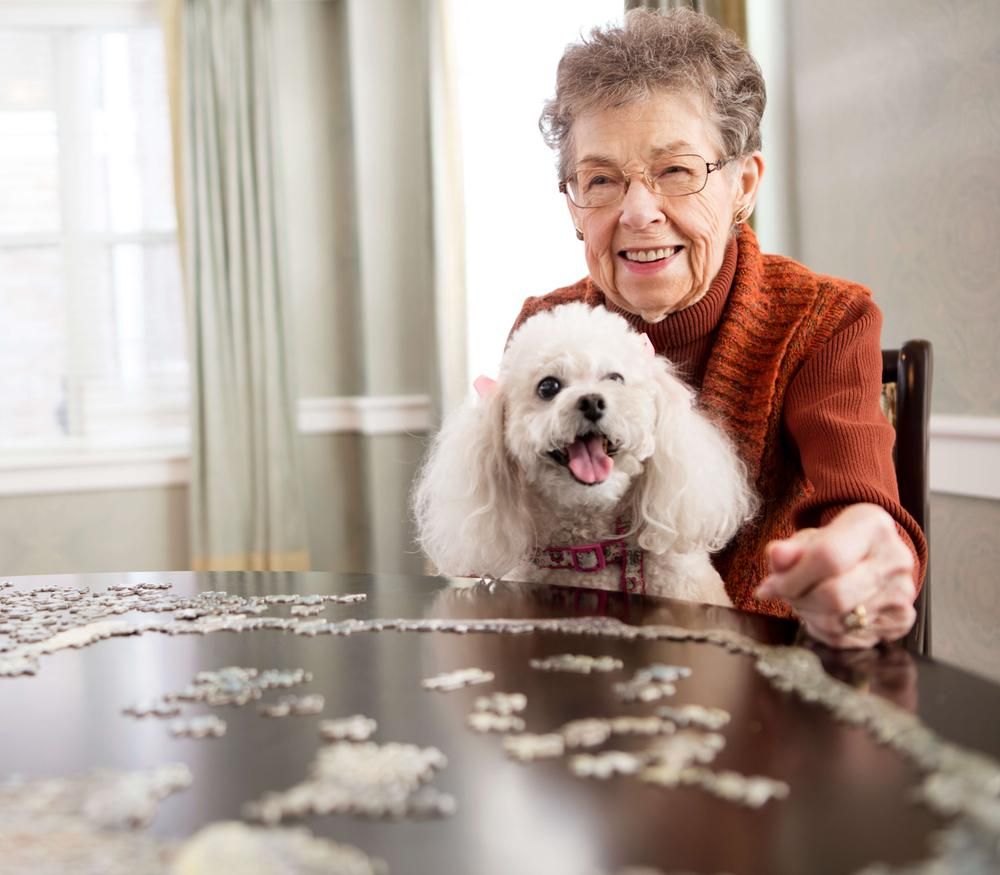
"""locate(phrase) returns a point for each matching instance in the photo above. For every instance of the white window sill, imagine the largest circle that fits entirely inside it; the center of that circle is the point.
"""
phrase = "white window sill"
(74, 13)
(93, 469)
(164, 459)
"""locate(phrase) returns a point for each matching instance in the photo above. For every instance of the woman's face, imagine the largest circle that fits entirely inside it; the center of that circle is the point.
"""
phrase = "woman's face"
(694, 228)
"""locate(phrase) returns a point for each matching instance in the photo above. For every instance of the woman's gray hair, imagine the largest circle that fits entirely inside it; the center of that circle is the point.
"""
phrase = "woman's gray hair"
(680, 51)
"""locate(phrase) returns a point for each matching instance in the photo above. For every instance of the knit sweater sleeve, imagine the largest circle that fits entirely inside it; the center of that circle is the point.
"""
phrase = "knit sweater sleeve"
(833, 417)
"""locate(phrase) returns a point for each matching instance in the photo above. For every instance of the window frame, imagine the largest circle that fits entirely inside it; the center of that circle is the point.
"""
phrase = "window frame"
(166, 433)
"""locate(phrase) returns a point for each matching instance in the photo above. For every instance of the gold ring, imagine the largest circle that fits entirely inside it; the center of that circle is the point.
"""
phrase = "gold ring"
(855, 619)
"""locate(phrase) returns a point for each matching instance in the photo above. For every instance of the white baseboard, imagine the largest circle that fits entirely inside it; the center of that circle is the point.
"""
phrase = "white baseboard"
(965, 456)
(91, 468)
(366, 414)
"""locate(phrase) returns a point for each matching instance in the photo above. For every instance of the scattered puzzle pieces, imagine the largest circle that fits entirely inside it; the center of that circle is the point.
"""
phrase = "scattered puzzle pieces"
(502, 703)
(206, 726)
(364, 779)
(580, 664)
(487, 721)
(293, 706)
(651, 683)
(354, 728)
(455, 680)
(528, 747)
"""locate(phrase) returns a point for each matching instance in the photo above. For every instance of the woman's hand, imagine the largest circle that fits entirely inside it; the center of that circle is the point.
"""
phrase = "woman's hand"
(850, 582)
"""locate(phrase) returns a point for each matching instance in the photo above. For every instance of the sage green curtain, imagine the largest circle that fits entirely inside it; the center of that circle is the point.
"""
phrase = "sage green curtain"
(729, 13)
(246, 508)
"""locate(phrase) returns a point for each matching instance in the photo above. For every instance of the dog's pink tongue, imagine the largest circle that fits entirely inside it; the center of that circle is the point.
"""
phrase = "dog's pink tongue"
(588, 461)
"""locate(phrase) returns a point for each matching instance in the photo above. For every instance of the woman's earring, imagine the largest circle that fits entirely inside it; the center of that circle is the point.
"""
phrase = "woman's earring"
(742, 214)
(579, 234)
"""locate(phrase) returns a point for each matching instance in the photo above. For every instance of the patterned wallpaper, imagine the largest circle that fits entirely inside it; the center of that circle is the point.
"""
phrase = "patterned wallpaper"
(965, 569)
(897, 133)
(897, 108)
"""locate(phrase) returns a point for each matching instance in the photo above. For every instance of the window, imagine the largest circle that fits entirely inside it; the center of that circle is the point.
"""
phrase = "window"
(519, 237)
(93, 350)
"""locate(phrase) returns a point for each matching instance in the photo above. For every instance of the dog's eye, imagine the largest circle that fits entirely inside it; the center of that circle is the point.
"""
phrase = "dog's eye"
(548, 388)
(614, 375)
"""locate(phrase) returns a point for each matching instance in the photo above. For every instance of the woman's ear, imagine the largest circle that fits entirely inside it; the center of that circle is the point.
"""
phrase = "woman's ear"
(751, 172)
(468, 496)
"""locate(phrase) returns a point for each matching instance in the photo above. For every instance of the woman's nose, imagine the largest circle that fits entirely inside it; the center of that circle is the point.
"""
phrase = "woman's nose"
(640, 207)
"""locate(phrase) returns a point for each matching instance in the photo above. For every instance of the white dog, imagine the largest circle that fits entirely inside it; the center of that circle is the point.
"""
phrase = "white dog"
(585, 464)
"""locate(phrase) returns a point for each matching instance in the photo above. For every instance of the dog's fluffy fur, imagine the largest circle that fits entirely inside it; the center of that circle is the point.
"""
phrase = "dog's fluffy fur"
(492, 491)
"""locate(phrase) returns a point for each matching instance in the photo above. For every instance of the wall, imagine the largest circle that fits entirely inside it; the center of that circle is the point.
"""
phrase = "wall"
(133, 529)
(896, 129)
(316, 171)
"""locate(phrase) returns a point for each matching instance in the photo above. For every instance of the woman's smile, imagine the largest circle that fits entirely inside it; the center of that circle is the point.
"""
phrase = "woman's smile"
(644, 262)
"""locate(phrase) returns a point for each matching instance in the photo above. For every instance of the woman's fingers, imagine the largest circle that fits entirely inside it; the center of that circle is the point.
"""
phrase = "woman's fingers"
(825, 553)
(842, 593)
(860, 608)
(851, 582)
(831, 631)
(782, 555)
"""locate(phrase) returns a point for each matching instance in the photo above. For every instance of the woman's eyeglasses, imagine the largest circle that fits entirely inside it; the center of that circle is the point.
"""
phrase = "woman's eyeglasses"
(677, 175)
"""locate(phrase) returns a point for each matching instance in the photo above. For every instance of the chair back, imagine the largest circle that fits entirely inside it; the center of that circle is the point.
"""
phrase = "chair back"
(906, 377)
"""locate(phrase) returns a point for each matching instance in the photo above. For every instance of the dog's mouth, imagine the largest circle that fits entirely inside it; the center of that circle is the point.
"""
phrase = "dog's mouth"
(589, 458)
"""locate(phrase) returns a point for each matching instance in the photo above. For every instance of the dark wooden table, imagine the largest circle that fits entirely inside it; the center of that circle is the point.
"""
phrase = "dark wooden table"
(849, 796)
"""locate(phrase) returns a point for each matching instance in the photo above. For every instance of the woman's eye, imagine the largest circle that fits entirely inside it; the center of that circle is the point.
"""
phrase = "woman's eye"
(674, 169)
(597, 181)
(614, 375)
(548, 388)
(590, 181)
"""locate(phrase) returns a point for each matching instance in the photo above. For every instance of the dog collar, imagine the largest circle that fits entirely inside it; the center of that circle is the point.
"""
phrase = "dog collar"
(590, 558)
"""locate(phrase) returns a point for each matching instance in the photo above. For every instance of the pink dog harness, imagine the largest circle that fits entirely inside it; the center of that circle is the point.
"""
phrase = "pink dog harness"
(589, 558)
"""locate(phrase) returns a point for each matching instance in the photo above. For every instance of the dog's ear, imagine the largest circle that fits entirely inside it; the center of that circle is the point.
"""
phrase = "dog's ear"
(484, 385)
(468, 499)
(693, 493)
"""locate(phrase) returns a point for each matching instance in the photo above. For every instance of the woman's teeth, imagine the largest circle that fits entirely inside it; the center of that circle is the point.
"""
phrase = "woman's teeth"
(651, 254)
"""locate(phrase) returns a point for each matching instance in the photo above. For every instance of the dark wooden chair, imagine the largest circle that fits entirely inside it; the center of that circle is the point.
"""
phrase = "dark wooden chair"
(906, 377)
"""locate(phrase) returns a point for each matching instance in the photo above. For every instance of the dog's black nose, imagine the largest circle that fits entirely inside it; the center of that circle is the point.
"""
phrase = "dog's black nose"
(591, 406)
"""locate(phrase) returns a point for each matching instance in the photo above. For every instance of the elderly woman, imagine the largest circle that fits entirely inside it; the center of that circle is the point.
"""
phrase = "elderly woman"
(657, 128)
